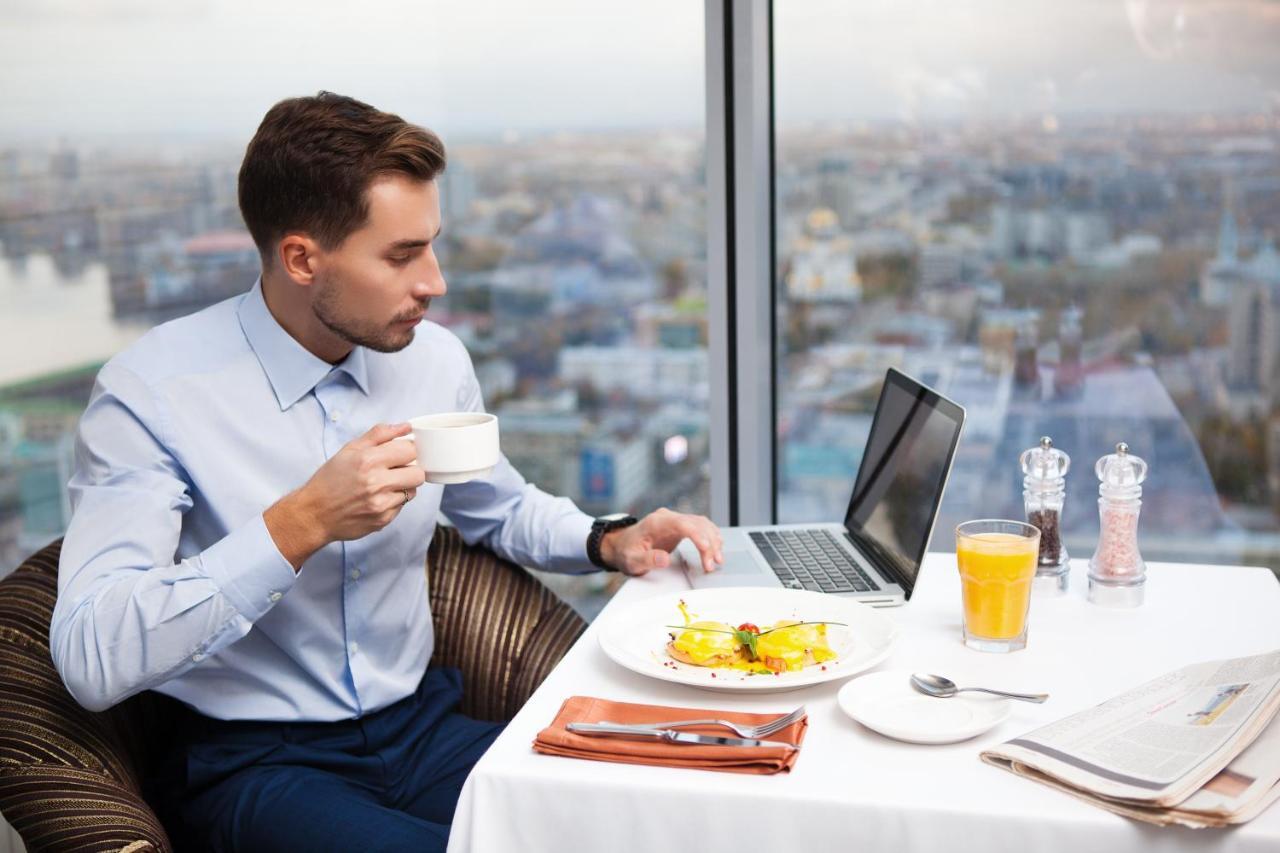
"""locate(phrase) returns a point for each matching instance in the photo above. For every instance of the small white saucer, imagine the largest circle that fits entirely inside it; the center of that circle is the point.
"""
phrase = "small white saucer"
(887, 703)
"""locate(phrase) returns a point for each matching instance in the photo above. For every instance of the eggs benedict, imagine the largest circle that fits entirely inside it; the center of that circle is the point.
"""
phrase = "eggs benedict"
(788, 645)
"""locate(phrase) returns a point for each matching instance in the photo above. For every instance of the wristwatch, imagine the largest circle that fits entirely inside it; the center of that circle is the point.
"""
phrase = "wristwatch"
(602, 525)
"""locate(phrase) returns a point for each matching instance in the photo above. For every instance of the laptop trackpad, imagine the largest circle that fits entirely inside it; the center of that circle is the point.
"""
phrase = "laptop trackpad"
(741, 562)
(737, 562)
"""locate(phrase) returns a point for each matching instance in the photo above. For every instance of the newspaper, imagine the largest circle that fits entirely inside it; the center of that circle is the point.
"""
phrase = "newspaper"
(1198, 747)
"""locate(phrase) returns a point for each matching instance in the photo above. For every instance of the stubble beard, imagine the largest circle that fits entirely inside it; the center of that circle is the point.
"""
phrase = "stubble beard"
(377, 338)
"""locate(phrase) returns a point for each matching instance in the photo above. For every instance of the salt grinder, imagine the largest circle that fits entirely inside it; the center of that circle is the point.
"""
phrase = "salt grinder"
(1044, 489)
(1117, 573)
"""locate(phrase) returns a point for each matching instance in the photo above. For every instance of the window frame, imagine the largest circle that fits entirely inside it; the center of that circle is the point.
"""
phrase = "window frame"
(741, 261)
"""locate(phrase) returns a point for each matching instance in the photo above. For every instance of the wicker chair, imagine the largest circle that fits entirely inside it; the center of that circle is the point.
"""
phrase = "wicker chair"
(70, 780)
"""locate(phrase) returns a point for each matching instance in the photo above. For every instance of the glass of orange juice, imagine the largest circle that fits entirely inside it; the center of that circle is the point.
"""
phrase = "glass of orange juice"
(997, 562)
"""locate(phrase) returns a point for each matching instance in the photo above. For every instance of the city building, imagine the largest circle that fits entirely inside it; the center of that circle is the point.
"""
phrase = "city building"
(457, 192)
(1223, 272)
(497, 377)
(1254, 323)
(674, 325)
(577, 254)
(941, 265)
(200, 270)
(616, 472)
(642, 372)
(1086, 232)
(823, 266)
(543, 439)
(1125, 251)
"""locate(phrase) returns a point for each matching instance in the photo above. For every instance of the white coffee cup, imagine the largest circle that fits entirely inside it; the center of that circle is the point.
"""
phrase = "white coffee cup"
(454, 447)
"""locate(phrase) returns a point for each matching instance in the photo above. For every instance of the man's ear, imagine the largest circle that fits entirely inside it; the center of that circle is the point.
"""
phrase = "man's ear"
(296, 254)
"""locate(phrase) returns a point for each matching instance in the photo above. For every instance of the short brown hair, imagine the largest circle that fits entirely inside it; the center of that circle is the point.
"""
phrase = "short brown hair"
(309, 164)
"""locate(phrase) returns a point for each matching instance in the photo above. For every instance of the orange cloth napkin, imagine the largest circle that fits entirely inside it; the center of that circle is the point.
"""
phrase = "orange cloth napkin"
(555, 739)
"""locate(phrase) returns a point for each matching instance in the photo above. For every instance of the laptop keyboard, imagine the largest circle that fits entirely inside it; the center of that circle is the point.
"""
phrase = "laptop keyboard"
(811, 559)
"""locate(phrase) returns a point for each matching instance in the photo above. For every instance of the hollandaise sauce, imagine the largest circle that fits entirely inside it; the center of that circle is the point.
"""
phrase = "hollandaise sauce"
(787, 646)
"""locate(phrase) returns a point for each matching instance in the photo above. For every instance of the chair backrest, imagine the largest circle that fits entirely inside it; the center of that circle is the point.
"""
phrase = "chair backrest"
(69, 778)
(73, 778)
(496, 622)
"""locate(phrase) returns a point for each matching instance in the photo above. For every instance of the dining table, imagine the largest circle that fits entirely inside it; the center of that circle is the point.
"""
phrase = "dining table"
(852, 788)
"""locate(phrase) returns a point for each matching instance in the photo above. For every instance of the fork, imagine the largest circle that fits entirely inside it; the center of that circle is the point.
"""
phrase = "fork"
(762, 730)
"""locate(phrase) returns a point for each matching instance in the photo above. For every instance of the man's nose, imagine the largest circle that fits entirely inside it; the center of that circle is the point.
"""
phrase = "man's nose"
(431, 286)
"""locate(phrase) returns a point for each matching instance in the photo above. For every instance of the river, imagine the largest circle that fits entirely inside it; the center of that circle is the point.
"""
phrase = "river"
(51, 322)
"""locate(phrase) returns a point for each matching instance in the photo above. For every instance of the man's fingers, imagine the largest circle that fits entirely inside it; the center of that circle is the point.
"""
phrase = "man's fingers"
(705, 537)
(382, 433)
(710, 558)
(394, 454)
(686, 527)
(644, 560)
(410, 477)
(713, 533)
(666, 529)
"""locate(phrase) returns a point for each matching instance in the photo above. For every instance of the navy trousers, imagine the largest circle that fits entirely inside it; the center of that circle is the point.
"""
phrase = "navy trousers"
(386, 782)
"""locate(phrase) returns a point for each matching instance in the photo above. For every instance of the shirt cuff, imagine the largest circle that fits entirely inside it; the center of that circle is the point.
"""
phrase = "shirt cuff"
(570, 548)
(249, 569)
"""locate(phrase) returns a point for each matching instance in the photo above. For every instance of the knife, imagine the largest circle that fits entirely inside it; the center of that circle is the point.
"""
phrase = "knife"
(669, 735)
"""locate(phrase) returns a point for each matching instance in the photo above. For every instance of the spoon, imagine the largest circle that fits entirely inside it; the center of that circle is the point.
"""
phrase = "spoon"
(945, 688)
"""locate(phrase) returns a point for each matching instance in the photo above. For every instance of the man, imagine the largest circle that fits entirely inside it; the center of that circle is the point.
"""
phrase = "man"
(249, 537)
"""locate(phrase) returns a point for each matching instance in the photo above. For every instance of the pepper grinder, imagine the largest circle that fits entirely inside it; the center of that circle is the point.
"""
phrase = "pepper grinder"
(1117, 573)
(1044, 490)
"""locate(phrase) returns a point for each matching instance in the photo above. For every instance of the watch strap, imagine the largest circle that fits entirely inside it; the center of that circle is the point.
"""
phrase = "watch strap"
(599, 528)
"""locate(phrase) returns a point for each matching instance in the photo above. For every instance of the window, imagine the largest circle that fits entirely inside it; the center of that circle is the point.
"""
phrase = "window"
(574, 217)
(1063, 216)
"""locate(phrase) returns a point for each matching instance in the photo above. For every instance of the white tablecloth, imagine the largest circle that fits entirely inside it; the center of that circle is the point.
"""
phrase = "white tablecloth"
(852, 789)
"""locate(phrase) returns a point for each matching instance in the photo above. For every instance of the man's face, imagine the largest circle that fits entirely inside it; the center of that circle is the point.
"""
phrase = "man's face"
(374, 288)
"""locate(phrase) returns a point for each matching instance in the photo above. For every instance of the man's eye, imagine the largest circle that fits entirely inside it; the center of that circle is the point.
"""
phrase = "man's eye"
(400, 260)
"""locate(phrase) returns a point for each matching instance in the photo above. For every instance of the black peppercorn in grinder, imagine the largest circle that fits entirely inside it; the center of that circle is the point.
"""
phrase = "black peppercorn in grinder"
(1044, 490)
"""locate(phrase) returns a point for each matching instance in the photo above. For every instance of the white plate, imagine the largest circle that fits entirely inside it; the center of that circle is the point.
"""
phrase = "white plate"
(636, 636)
(887, 703)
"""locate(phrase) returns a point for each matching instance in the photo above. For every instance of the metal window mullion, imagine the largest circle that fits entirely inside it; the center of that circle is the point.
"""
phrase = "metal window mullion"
(740, 259)
(719, 310)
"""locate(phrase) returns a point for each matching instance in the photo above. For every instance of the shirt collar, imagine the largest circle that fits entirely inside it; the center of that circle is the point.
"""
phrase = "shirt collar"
(291, 369)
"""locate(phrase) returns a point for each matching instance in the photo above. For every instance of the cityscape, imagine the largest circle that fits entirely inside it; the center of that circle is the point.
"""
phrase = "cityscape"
(576, 280)
(1093, 279)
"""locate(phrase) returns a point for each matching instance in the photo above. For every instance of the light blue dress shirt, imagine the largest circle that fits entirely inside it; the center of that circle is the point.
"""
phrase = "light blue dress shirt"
(169, 580)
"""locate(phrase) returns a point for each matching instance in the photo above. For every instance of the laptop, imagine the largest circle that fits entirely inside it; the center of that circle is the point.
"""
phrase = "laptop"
(875, 554)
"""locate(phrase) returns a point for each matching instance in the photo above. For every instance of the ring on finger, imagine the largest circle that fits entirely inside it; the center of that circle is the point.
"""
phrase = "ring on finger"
(407, 495)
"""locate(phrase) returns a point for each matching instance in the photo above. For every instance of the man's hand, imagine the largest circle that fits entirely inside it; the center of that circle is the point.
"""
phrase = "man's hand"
(648, 544)
(358, 491)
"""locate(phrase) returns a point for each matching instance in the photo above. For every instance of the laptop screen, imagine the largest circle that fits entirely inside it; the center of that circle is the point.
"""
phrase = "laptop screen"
(902, 476)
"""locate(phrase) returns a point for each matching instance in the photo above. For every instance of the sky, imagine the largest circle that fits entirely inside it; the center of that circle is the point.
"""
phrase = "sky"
(211, 68)
(944, 58)
(216, 66)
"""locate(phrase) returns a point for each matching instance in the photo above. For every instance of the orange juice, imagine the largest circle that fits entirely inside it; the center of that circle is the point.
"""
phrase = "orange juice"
(996, 570)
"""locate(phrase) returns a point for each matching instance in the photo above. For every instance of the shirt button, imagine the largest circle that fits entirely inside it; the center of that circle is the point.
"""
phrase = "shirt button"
(355, 574)
(353, 647)
(276, 596)
(334, 416)
(197, 657)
